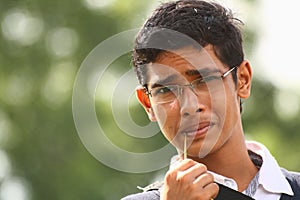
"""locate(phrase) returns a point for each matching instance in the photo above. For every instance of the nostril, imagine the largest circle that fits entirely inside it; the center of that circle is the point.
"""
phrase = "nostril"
(199, 110)
(186, 114)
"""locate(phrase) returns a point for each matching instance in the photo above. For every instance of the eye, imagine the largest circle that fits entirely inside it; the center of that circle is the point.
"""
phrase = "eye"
(164, 90)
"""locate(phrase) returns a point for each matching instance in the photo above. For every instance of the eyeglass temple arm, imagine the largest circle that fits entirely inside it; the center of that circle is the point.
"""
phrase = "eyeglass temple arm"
(228, 72)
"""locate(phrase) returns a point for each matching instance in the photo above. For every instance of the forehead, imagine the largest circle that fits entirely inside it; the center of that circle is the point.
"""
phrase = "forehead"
(184, 63)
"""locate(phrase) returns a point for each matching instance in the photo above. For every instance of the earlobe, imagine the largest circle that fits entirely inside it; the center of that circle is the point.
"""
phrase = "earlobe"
(145, 102)
(244, 75)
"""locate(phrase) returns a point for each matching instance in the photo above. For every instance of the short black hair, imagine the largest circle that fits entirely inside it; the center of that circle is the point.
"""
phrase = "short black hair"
(203, 21)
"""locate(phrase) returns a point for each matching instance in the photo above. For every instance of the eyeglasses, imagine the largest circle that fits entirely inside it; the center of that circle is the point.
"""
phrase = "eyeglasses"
(168, 93)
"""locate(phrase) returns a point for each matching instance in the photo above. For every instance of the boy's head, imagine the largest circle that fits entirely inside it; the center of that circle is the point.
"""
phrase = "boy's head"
(189, 59)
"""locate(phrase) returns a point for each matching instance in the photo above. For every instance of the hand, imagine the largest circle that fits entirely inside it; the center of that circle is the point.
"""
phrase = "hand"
(189, 180)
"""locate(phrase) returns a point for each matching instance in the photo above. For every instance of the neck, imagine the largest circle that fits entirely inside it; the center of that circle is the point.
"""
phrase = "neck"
(232, 161)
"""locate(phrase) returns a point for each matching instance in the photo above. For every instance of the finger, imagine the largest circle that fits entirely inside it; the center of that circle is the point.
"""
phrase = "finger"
(193, 172)
(208, 192)
(204, 180)
(197, 169)
(185, 164)
(212, 189)
(172, 175)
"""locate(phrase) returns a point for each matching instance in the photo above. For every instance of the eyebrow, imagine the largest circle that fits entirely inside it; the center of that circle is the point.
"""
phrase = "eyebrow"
(164, 81)
(200, 72)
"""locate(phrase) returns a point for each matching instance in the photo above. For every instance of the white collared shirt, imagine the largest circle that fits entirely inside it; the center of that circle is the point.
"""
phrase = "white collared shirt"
(271, 182)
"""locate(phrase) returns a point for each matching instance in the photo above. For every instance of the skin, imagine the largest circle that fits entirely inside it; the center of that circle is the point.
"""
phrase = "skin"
(212, 118)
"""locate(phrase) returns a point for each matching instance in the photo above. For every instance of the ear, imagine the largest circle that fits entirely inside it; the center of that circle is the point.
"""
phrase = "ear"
(145, 102)
(244, 75)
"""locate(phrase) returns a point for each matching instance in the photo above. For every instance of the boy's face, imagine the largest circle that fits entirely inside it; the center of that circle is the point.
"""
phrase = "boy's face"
(209, 118)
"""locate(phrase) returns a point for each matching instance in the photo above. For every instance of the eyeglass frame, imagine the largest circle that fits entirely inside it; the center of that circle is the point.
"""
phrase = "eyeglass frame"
(224, 75)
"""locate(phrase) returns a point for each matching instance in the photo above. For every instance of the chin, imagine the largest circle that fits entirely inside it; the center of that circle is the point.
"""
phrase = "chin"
(200, 150)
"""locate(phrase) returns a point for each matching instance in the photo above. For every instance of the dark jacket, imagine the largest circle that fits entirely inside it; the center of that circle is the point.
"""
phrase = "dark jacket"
(292, 177)
(294, 180)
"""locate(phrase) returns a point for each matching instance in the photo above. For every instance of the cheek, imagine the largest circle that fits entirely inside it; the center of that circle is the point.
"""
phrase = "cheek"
(223, 102)
(160, 114)
(168, 117)
(217, 105)
(226, 107)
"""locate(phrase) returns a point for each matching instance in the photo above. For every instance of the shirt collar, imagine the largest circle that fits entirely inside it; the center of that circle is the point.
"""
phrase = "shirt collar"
(270, 177)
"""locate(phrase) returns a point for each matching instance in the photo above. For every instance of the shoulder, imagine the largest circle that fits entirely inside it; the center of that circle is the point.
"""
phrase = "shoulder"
(294, 180)
(148, 195)
(292, 177)
(151, 192)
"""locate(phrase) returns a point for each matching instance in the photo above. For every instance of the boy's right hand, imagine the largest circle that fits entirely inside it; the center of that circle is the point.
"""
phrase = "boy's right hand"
(189, 180)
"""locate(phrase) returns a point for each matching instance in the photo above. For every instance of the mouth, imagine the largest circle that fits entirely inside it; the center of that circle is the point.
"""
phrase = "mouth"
(198, 130)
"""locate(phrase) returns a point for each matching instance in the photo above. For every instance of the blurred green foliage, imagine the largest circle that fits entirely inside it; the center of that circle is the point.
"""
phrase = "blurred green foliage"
(42, 45)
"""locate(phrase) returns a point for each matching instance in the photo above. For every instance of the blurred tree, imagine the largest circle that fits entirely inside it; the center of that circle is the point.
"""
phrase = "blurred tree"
(42, 45)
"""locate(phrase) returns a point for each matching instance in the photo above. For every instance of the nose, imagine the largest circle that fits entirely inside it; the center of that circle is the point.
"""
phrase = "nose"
(189, 102)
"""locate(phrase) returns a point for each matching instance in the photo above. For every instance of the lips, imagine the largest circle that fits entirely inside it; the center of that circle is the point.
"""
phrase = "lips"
(197, 130)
